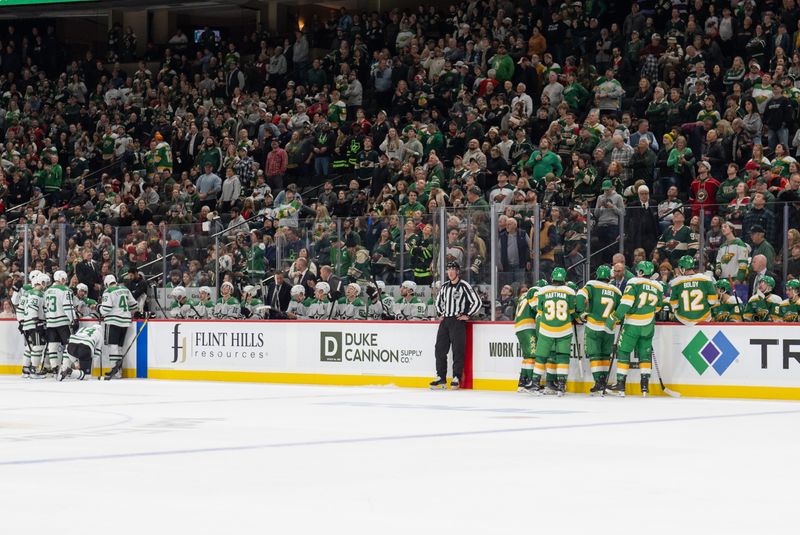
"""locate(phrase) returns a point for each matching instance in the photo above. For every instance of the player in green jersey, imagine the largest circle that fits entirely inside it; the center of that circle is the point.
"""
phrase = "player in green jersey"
(595, 303)
(637, 311)
(525, 330)
(728, 307)
(790, 308)
(555, 309)
(692, 294)
(765, 305)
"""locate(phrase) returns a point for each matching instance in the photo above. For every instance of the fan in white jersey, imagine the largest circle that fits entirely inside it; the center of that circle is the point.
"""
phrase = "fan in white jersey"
(60, 316)
(33, 323)
(82, 348)
(115, 309)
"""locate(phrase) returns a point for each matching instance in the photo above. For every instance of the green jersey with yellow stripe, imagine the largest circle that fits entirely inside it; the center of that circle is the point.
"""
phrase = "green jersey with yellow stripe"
(790, 310)
(525, 316)
(727, 309)
(763, 308)
(555, 310)
(598, 300)
(692, 297)
(640, 302)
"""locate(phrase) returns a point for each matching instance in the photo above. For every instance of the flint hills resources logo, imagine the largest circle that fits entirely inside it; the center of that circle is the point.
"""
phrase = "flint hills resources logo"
(216, 345)
(362, 347)
(704, 353)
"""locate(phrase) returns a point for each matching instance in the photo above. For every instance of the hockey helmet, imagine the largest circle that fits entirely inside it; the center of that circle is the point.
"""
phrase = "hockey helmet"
(410, 285)
(323, 287)
(603, 272)
(205, 290)
(453, 265)
(572, 285)
(793, 284)
(82, 288)
(298, 289)
(541, 283)
(686, 262)
(178, 291)
(559, 274)
(34, 274)
(723, 285)
(44, 279)
(769, 281)
(229, 284)
(355, 287)
(60, 276)
(381, 286)
(109, 280)
(645, 267)
(249, 290)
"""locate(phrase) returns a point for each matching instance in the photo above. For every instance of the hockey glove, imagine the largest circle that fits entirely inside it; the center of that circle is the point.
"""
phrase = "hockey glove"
(76, 324)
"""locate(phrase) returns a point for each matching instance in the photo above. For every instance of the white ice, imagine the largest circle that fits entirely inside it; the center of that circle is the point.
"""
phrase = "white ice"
(159, 457)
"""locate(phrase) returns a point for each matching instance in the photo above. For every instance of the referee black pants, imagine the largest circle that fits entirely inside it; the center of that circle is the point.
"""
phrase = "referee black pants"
(452, 331)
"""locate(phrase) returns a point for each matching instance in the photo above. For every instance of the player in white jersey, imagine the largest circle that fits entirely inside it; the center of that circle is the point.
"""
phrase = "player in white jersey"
(321, 307)
(18, 300)
(85, 307)
(82, 347)
(408, 306)
(59, 311)
(33, 328)
(227, 307)
(381, 304)
(297, 306)
(184, 307)
(115, 309)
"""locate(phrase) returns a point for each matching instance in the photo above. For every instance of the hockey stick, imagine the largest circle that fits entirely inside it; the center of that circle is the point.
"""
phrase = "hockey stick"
(118, 366)
(576, 349)
(613, 357)
(667, 391)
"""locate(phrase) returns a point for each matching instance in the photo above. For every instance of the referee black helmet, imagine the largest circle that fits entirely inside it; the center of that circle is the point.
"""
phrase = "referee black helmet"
(454, 265)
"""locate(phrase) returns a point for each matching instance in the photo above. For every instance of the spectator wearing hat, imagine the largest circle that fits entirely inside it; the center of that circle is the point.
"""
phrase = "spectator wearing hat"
(760, 246)
(609, 208)
(475, 198)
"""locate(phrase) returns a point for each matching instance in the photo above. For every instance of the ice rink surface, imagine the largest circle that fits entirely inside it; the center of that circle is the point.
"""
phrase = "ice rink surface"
(160, 457)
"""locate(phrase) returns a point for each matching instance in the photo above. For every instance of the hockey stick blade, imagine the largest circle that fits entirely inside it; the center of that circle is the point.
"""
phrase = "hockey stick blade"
(671, 393)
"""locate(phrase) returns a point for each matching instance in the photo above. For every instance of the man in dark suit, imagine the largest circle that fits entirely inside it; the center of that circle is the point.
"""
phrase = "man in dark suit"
(336, 284)
(304, 277)
(641, 223)
(88, 273)
(193, 146)
(758, 270)
(278, 293)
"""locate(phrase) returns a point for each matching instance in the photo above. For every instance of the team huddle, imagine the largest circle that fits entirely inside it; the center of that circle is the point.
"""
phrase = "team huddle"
(55, 343)
(618, 324)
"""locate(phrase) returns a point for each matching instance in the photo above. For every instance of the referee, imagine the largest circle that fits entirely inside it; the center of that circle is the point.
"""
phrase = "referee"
(456, 302)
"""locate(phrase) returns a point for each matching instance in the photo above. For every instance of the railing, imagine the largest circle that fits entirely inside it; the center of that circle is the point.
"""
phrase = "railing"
(502, 249)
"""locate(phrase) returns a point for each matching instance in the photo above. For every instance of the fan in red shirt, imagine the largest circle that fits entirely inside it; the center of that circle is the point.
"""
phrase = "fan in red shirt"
(703, 191)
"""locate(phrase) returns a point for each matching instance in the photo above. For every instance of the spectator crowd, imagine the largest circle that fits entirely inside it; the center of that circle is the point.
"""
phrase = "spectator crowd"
(583, 133)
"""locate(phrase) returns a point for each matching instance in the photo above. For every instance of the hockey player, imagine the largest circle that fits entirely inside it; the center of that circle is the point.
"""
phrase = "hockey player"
(728, 307)
(408, 306)
(184, 307)
(525, 331)
(60, 317)
(555, 309)
(430, 305)
(637, 312)
(350, 307)
(85, 307)
(33, 328)
(19, 300)
(298, 306)
(790, 308)
(320, 308)
(82, 348)
(381, 304)
(227, 307)
(206, 307)
(116, 307)
(595, 303)
(249, 302)
(692, 295)
(765, 305)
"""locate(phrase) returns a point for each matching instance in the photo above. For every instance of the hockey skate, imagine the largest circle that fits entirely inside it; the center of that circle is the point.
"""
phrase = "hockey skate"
(455, 384)
(66, 372)
(438, 384)
(599, 388)
(38, 374)
(561, 388)
(618, 389)
(524, 383)
(534, 388)
(27, 371)
(550, 388)
(114, 373)
(645, 383)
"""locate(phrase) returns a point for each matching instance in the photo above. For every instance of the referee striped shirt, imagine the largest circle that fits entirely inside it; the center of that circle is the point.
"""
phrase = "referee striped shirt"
(457, 299)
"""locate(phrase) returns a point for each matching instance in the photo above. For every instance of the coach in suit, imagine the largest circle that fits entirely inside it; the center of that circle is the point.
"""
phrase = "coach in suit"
(758, 270)
(279, 292)
(88, 273)
(336, 284)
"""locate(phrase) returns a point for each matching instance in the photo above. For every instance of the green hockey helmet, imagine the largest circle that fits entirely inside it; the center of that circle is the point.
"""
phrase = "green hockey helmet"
(559, 275)
(723, 285)
(769, 281)
(686, 262)
(603, 272)
(572, 285)
(645, 267)
(541, 283)
(793, 284)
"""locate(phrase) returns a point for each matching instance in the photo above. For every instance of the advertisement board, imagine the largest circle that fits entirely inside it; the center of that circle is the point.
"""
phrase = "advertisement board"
(293, 351)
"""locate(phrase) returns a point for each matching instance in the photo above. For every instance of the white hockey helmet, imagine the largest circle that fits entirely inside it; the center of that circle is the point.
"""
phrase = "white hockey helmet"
(323, 287)
(205, 290)
(410, 285)
(381, 286)
(109, 280)
(44, 279)
(355, 287)
(34, 274)
(249, 290)
(83, 287)
(60, 276)
(178, 291)
(228, 284)
(298, 289)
